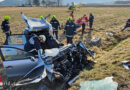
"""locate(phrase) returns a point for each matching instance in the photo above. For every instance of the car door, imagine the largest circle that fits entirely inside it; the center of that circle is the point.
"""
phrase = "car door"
(16, 62)
(16, 40)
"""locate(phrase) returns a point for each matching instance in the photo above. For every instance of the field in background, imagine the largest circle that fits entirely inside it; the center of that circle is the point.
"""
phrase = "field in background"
(110, 53)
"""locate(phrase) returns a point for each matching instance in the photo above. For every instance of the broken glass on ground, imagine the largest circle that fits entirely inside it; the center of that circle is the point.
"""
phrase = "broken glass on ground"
(103, 84)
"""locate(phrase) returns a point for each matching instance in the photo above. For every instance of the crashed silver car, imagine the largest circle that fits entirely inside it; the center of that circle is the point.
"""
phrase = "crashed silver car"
(58, 64)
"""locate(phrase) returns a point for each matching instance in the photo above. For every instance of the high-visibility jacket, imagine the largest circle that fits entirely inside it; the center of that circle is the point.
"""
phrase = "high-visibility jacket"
(78, 21)
(84, 20)
(71, 15)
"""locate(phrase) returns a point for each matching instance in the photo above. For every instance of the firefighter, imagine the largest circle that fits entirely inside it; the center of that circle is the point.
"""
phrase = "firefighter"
(127, 25)
(78, 21)
(5, 26)
(84, 22)
(72, 15)
(33, 45)
(91, 19)
(70, 27)
(55, 25)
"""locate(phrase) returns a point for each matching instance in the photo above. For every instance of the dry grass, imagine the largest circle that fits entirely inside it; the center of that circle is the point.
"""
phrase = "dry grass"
(109, 64)
(109, 54)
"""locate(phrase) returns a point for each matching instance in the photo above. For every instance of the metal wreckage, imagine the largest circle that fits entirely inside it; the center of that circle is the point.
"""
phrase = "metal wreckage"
(59, 63)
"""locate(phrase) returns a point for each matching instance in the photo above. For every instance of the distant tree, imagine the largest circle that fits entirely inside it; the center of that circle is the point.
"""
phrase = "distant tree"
(59, 2)
(68, 4)
(43, 2)
(29, 2)
(36, 2)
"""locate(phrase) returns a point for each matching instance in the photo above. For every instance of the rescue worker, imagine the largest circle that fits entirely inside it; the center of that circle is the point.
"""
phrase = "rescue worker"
(91, 19)
(72, 15)
(78, 21)
(55, 25)
(84, 22)
(5, 26)
(70, 27)
(127, 25)
(33, 45)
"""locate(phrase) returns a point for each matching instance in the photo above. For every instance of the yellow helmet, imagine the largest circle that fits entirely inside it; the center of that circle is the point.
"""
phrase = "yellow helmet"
(41, 17)
(7, 17)
(53, 16)
(70, 18)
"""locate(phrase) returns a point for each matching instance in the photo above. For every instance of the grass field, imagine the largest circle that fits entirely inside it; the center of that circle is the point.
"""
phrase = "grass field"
(110, 53)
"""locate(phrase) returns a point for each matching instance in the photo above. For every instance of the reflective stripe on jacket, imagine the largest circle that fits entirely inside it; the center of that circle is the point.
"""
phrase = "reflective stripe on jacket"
(69, 29)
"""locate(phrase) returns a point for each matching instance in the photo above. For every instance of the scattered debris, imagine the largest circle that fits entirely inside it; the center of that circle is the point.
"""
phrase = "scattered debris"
(109, 34)
(104, 84)
(71, 81)
(126, 64)
(95, 61)
(96, 40)
(123, 85)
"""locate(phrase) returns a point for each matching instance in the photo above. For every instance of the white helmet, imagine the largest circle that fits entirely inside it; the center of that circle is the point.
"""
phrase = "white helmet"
(42, 37)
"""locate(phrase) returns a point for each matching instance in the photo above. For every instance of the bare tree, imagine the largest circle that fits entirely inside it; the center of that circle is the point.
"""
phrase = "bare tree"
(36, 2)
(59, 2)
(29, 2)
(43, 2)
(51, 2)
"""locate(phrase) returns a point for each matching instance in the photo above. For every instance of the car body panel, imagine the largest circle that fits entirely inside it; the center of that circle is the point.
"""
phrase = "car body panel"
(16, 61)
(36, 24)
(15, 46)
(17, 68)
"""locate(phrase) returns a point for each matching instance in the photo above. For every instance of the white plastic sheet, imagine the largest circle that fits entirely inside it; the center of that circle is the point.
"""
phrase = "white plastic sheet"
(104, 84)
(51, 52)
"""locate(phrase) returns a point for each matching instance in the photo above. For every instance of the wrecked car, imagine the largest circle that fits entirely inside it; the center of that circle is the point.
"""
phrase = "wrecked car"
(59, 62)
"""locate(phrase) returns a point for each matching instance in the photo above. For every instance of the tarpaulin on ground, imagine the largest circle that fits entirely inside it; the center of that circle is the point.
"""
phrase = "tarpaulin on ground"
(104, 84)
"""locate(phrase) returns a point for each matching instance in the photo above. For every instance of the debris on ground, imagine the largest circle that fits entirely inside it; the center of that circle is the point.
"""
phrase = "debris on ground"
(126, 64)
(109, 34)
(96, 40)
(104, 84)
